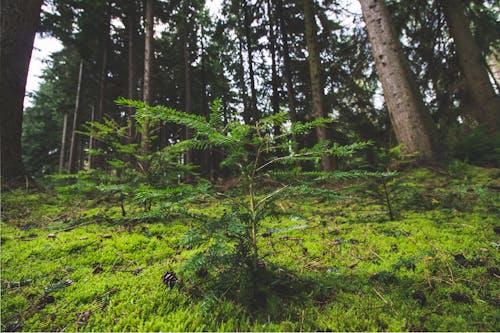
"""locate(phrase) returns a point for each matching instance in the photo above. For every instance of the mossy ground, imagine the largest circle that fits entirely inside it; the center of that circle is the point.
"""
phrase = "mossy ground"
(339, 266)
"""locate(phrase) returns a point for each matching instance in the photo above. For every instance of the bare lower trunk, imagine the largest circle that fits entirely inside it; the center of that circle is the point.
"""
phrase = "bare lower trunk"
(315, 77)
(287, 72)
(148, 62)
(275, 98)
(206, 164)
(243, 87)
(132, 80)
(187, 83)
(74, 136)
(493, 61)
(251, 73)
(19, 21)
(91, 139)
(486, 110)
(63, 142)
(98, 161)
(409, 117)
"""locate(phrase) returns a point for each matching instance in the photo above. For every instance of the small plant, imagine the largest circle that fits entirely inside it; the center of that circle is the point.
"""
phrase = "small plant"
(458, 168)
(130, 162)
(229, 243)
(384, 186)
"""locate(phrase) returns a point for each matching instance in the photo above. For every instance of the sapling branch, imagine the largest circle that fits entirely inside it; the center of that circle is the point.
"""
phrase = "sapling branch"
(271, 195)
(277, 159)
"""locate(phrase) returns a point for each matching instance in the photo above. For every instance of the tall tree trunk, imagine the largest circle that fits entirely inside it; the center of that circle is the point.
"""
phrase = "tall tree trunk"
(493, 61)
(410, 119)
(148, 63)
(63, 142)
(91, 138)
(275, 98)
(206, 164)
(98, 161)
(251, 72)
(132, 77)
(287, 72)
(74, 135)
(19, 21)
(486, 101)
(187, 80)
(81, 155)
(243, 87)
(317, 92)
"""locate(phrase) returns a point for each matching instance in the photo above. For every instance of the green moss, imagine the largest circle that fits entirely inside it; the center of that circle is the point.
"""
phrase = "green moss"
(332, 266)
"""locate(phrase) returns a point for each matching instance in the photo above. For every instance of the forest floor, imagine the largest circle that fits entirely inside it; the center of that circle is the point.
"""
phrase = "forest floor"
(68, 265)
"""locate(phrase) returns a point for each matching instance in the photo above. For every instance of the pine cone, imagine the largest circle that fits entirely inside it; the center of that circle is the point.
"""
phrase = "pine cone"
(169, 278)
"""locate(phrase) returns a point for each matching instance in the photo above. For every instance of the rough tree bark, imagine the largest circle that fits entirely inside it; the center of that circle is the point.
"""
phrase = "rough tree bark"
(19, 21)
(486, 102)
(317, 92)
(410, 119)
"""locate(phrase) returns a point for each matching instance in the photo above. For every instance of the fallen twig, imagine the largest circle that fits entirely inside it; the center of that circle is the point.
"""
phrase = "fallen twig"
(57, 218)
(381, 297)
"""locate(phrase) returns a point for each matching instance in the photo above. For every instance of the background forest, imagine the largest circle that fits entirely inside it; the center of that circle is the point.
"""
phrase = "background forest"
(253, 57)
(271, 165)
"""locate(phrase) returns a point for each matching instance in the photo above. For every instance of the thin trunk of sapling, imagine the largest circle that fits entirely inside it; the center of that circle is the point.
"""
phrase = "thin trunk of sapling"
(388, 200)
(251, 192)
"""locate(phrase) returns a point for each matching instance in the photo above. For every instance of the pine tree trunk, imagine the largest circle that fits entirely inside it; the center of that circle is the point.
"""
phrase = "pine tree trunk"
(287, 72)
(132, 79)
(74, 136)
(148, 63)
(315, 77)
(275, 98)
(98, 161)
(91, 138)
(486, 102)
(19, 21)
(410, 119)
(243, 87)
(206, 164)
(251, 73)
(493, 61)
(187, 82)
(63, 142)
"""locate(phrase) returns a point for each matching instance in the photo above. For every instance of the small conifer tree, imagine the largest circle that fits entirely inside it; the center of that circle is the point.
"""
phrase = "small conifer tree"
(257, 156)
(254, 153)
